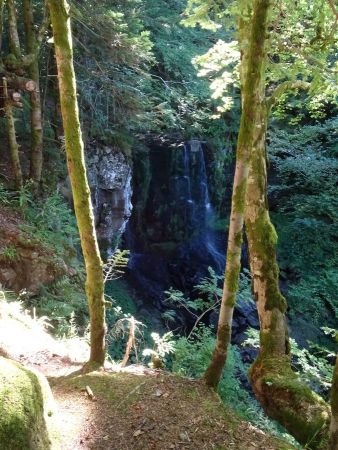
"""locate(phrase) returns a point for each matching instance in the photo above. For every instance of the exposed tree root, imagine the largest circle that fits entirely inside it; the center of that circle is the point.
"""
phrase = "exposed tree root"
(291, 402)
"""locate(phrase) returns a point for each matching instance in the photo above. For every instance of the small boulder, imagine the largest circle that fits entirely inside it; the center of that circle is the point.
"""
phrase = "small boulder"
(27, 412)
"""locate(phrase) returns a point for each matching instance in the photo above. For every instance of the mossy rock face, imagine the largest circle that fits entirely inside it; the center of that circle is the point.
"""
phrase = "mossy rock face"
(27, 415)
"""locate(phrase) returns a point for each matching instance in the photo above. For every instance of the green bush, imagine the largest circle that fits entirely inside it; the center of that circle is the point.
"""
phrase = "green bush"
(304, 186)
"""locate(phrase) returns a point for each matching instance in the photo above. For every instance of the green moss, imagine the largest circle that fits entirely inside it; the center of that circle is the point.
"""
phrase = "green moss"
(24, 409)
(239, 239)
(263, 240)
(231, 300)
(269, 341)
(11, 61)
(238, 198)
(233, 279)
(290, 401)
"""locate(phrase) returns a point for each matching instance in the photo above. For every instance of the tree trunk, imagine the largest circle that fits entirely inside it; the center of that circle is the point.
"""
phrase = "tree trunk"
(11, 136)
(14, 41)
(2, 3)
(255, 77)
(36, 157)
(334, 410)
(59, 11)
(284, 397)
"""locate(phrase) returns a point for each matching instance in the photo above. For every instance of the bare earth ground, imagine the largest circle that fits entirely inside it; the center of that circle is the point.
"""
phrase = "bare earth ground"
(132, 409)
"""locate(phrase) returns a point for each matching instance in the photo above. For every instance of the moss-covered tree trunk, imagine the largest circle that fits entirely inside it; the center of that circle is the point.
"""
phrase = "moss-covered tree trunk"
(59, 12)
(13, 144)
(255, 77)
(35, 100)
(14, 41)
(14, 44)
(284, 397)
(334, 410)
(2, 4)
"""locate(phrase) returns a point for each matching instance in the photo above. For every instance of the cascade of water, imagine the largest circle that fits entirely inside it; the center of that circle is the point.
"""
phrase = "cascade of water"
(205, 208)
(186, 172)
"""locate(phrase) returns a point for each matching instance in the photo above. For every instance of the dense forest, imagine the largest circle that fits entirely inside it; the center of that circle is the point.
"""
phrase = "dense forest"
(168, 210)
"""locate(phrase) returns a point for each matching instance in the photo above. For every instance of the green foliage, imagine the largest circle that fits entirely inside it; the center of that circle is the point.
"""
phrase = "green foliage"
(163, 346)
(123, 307)
(9, 253)
(310, 364)
(116, 265)
(64, 303)
(210, 292)
(48, 219)
(51, 221)
(5, 197)
(306, 166)
(208, 287)
(113, 55)
(180, 100)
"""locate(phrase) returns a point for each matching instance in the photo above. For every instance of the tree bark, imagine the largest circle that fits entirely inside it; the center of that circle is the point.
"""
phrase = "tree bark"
(14, 41)
(11, 136)
(32, 48)
(59, 11)
(283, 396)
(252, 99)
(334, 410)
(2, 3)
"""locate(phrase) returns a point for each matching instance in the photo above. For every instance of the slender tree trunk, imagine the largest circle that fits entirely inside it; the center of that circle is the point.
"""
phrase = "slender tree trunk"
(13, 144)
(36, 157)
(284, 397)
(2, 4)
(334, 410)
(59, 11)
(252, 100)
(14, 44)
(14, 41)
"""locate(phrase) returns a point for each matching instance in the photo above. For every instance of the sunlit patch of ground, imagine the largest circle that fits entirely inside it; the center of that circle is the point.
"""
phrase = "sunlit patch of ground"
(27, 340)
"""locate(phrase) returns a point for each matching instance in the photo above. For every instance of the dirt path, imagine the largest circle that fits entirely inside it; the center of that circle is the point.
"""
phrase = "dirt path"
(155, 411)
(133, 409)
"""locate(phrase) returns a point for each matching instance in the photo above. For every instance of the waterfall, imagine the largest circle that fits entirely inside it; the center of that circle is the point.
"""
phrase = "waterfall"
(190, 199)
(170, 234)
(188, 185)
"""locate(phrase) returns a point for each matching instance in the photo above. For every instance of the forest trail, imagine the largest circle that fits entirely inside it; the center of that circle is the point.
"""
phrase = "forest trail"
(149, 410)
(135, 408)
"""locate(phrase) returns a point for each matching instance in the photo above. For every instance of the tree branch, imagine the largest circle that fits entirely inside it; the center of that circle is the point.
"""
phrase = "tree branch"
(282, 88)
(311, 60)
(332, 6)
(43, 28)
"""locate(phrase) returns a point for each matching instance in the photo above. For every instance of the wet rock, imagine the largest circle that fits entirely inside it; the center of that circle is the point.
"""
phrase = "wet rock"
(109, 175)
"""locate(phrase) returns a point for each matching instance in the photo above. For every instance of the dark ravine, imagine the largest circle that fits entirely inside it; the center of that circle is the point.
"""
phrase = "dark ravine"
(171, 232)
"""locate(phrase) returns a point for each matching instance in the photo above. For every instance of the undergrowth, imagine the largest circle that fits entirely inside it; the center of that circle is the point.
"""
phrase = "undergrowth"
(192, 357)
